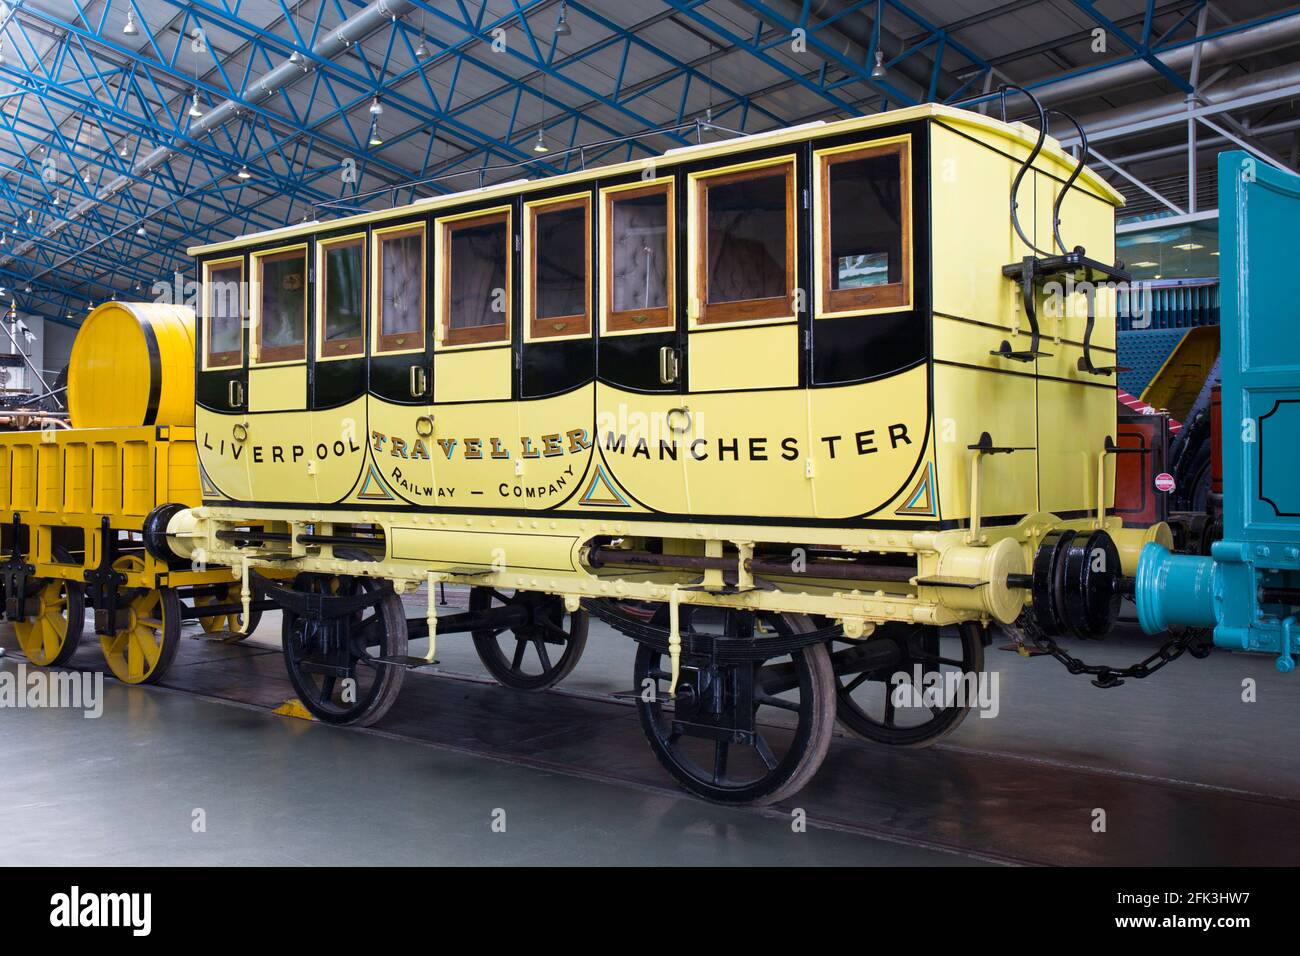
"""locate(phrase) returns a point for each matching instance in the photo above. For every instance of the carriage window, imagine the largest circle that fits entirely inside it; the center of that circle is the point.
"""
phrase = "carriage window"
(477, 280)
(640, 261)
(865, 229)
(748, 268)
(401, 290)
(561, 252)
(343, 296)
(282, 306)
(224, 301)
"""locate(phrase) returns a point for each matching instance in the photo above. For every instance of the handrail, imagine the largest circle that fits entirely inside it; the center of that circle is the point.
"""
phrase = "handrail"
(1029, 161)
(1078, 168)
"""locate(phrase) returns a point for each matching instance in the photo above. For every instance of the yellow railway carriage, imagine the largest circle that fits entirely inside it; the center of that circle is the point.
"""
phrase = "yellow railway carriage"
(73, 502)
(797, 411)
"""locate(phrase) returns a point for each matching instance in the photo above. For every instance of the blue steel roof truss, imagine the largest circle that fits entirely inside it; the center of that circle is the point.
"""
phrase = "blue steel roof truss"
(82, 106)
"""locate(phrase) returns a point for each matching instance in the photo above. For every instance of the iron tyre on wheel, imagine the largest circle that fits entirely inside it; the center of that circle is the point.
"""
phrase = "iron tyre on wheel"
(867, 698)
(546, 633)
(361, 689)
(744, 768)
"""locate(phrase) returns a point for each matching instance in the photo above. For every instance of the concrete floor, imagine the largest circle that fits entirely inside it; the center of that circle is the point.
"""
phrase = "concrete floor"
(124, 789)
(1181, 749)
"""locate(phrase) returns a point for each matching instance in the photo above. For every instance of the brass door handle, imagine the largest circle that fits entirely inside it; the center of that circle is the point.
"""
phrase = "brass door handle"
(419, 381)
(235, 393)
(668, 366)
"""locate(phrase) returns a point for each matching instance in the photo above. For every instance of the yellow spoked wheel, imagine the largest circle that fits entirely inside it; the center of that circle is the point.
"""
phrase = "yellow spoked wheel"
(141, 652)
(51, 637)
(227, 628)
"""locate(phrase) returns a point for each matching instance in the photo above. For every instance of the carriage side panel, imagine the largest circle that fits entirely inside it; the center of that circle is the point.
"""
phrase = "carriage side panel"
(975, 310)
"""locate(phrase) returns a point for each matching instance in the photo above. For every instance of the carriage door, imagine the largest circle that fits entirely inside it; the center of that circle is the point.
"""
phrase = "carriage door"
(639, 412)
(749, 423)
(401, 424)
(221, 421)
(277, 375)
(558, 359)
(870, 395)
(476, 424)
(337, 374)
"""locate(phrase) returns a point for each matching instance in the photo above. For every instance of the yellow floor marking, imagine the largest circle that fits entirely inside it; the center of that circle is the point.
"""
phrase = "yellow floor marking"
(293, 708)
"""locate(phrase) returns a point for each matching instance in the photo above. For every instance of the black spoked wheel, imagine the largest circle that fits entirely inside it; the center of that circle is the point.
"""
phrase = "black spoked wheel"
(336, 675)
(879, 697)
(536, 654)
(742, 732)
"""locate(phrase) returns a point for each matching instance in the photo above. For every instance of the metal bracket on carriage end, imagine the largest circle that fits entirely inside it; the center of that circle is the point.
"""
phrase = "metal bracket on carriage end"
(1026, 270)
(1084, 365)
(986, 447)
(1075, 264)
(1113, 449)
(1005, 351)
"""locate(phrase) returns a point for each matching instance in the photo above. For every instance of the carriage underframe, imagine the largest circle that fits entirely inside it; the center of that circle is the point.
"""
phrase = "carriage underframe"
(747, 652)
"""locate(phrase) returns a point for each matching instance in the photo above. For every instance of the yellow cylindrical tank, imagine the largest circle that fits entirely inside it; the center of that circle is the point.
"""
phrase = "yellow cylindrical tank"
(133, 364)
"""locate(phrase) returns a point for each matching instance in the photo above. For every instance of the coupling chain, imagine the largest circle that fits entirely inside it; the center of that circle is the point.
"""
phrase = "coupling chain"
(1193, 640)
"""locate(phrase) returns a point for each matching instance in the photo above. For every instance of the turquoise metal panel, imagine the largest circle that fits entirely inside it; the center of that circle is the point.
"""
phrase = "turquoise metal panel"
(1245, 589)
(1261, 351)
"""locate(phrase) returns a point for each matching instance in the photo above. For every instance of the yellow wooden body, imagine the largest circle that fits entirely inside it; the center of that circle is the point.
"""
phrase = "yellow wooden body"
(476, 487)
(62, 484)
(132, 363)
(131, 447)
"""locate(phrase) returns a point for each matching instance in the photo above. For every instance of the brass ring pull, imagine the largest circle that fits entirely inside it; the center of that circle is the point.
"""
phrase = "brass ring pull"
(424, 426)
(240, 432)
(682, 414)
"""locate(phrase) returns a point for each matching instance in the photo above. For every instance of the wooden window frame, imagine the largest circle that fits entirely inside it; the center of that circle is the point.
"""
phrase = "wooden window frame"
(571, 326)
(353, 347)
(394, 343)
(231, 359)
(498, 332)
(894, 295)
(744, 310)
(627, 319)
(282, 353)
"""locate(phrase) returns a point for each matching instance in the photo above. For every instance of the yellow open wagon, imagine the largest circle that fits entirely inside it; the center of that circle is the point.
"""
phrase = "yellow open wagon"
(74, 502)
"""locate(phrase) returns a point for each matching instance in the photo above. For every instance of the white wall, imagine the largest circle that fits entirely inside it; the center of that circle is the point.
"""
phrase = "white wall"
(57, 347)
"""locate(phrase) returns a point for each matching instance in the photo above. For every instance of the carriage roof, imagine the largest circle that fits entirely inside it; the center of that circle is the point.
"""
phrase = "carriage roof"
(1052, 155)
